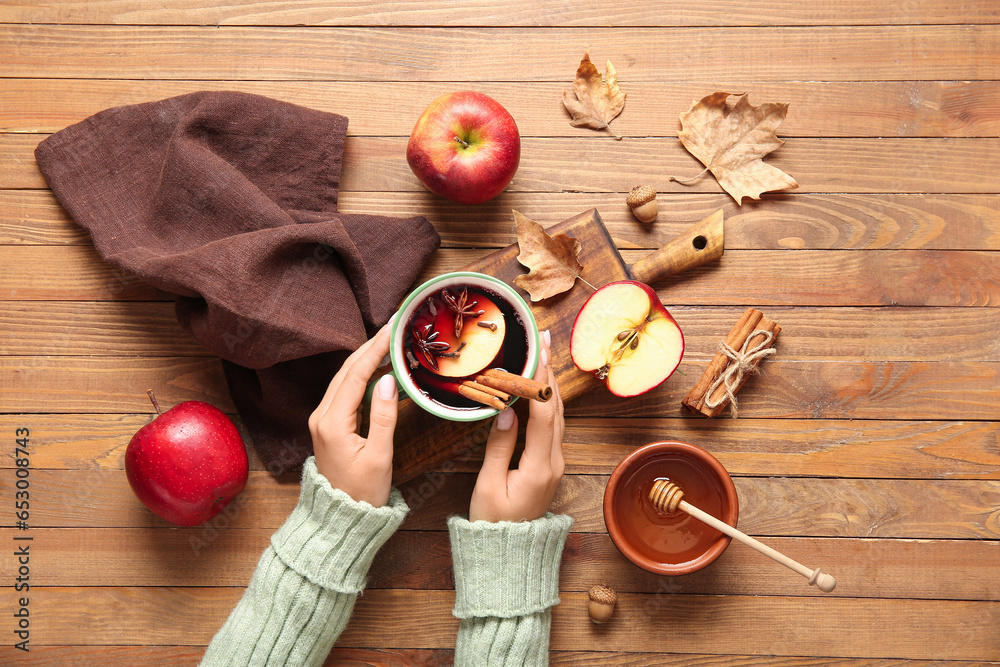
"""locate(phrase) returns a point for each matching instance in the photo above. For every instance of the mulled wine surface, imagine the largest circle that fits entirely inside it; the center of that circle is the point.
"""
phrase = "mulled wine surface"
(462, 320)
(668, 537)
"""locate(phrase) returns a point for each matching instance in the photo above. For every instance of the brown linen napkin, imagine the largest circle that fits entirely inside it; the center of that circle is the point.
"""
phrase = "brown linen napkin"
(229, 201)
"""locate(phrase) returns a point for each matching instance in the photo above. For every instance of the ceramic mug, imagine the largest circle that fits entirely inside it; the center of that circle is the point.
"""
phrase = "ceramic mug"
(416, 298)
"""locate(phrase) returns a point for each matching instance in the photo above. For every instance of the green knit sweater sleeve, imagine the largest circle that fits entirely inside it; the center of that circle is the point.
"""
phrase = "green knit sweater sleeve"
(506, 581)
(303, 590)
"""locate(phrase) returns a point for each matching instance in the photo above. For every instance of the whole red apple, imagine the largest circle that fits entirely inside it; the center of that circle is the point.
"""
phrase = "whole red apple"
(465, 147)
(188, 463)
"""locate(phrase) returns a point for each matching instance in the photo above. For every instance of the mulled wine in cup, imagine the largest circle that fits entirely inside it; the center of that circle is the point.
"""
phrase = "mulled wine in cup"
(461, 339)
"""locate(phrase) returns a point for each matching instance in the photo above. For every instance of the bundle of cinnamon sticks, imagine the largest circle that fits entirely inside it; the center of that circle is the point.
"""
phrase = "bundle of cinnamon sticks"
(746, 345)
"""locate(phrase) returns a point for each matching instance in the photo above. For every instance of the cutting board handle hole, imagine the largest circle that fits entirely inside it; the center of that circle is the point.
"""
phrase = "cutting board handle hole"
(699, 242)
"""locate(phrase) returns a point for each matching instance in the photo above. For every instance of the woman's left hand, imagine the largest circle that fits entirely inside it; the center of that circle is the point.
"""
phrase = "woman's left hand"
(361, 467)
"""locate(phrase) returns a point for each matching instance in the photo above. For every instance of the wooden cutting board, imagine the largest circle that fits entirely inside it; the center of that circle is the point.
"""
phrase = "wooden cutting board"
(424, 441)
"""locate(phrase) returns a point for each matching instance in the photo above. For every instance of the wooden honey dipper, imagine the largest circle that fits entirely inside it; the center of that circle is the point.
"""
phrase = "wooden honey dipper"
(668, 497)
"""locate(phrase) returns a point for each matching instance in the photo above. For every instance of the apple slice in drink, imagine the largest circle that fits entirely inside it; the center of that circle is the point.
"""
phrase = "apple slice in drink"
(473, 347)
(625, 337)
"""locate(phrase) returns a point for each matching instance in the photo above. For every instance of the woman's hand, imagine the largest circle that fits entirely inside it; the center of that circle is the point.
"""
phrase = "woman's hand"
(361, 467)
(523, 494)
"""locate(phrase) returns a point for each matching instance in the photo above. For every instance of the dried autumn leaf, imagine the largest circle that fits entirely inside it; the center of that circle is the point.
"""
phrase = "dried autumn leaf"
(594, 102)
(553, 261)
(731, 142)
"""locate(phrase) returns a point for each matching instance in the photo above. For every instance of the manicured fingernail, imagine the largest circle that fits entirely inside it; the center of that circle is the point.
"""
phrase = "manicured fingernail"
(505, 420)
(386, 386)
(547, 337)
(544, 356)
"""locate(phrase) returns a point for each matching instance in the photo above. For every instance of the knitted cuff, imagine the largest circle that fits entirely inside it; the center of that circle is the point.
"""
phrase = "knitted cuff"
(331, 539)
(507, 569)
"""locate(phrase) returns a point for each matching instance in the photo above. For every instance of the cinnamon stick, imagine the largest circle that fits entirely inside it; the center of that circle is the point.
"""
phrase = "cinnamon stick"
(468, 389)
(516, 385)
(698, 399)
(479, 394)
(503, 396)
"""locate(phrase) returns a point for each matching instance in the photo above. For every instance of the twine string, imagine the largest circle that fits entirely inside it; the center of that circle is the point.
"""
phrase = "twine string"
(744, 361)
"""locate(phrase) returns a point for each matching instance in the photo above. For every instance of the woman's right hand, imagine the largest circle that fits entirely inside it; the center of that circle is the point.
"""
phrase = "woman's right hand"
(523, 494)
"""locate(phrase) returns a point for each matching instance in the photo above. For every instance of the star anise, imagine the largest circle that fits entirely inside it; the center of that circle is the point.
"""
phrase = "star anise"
(424, 339)
(461, 307)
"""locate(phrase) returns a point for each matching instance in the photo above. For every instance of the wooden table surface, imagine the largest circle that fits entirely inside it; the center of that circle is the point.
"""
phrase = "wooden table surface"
(868, 446)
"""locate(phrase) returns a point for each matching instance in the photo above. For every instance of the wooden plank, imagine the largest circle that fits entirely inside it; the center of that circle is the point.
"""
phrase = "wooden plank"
(482, 13)
(215, 556)
(819, 390)
(832, 627)
(829, 222)
(798, 390)
(632, 659)
(18, 168)
(111, 328)
(815, 278)
(818, 108)
(69, 273)
(807, 448)
(920, 629)
(853, 334)
(149, 329)
(787, 447)
(864, 568)
(810, 507)
(838, 278)
(914, 165)
(185, 656)
(66, 383)
(742, 277)
(34, 217)
(918, 509)
(896, 165)
(892, 53)
(80, 442)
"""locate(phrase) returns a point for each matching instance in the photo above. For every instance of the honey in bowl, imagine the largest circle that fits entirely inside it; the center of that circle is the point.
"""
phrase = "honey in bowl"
(669, 542)
(669, 537)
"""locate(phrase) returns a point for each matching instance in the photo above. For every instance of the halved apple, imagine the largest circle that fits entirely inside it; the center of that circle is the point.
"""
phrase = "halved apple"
(625, 337)
(479, 340)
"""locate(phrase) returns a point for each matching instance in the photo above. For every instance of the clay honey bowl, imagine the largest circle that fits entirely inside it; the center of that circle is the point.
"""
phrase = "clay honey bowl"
(670, 543)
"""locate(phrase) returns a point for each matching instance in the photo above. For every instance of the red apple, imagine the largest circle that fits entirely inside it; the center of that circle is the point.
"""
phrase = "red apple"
(465, 147)
(625, 337)
(187, 464)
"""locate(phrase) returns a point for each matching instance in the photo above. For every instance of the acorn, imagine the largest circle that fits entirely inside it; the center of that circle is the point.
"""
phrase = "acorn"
(602, 603)
(642, 200)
